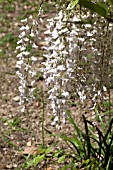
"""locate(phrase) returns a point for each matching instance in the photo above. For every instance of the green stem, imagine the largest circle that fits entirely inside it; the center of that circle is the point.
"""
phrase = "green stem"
(109, 102)
(43, 118)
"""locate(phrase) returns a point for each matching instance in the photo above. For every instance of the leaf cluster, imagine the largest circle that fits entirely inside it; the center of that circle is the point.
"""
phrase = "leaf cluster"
(93, 148)
(103, 9)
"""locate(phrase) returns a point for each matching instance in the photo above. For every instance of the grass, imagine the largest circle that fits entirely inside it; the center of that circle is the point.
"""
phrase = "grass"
(85, 148)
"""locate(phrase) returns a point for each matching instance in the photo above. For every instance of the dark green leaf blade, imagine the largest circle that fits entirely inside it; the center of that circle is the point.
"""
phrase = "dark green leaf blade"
(99, 8)
(73, 123)
(73, 3)
(111, 2)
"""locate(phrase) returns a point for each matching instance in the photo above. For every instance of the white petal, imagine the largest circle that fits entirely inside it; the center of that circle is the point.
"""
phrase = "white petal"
(24, 20)
(33, 58)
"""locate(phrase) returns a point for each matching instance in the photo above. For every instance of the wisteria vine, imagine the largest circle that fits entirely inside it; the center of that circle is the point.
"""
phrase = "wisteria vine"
(72, 63)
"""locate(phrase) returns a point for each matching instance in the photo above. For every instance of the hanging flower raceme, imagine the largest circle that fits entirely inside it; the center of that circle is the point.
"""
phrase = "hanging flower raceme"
(26, 46)
(72, 55)
(60, 64)
(70, 49)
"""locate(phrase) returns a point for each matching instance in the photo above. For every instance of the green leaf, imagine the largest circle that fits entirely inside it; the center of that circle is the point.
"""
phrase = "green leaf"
(42, 150)
(68, 139)
(103, 125)
(81, 22)
(48, 150)
(10, 1)
(57, 153)
(87, 137)
(73, 3)
(111, 2)
(108, 164)
(38, 159)
(61, 159)
(80, 144)
(109, 129)
(72, 141)
(74, 124)
(99, 8)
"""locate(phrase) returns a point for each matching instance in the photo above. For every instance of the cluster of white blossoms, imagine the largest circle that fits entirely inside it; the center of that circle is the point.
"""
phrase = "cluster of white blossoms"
(75, 59)
(25, 60)
(74, 56)
(61, 70)
(59, 66)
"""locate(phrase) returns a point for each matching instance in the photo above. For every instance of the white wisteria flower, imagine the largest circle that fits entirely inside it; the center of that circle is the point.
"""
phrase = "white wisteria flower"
(69, 51)
(59, 66)
(26, 60)
(73, 53)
